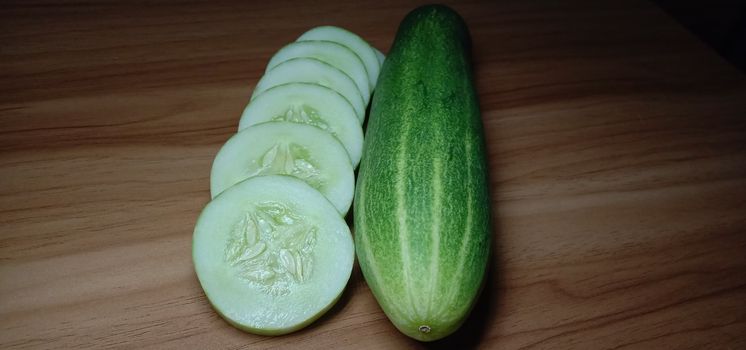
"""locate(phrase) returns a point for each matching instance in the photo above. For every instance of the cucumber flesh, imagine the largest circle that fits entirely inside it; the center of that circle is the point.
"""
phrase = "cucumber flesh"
(311, 104)
(272, 254)
(311, 70)
(332, 53)
(380, 56)
(303, 151)
(352, 41)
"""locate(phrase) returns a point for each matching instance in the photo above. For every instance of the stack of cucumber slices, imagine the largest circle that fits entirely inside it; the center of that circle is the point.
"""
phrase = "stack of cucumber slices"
(272, 250)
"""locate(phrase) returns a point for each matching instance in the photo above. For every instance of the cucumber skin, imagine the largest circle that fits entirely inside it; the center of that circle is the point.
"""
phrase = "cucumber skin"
(422, 214)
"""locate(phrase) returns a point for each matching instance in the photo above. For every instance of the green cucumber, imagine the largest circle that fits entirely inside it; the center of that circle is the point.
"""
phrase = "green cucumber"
(422, 209)
(311, 70)
(332, 53)
(353, 42)
(272, 254)
(303, 151)
(311, 104)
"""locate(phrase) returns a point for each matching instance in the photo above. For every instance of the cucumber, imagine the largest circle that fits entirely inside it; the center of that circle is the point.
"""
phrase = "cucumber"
(311, 70)
(422, 209)
(332, 53)
(309, 104)
(272, 254)
(303, 151)
(380, 56)
(352, 41)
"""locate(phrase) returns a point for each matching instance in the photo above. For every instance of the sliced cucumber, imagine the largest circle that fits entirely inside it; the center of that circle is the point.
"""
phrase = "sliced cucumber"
(380, 56)
(330, 52)
(303, 151)
(309, 104)
(311, 70)
(351, 40)
(271, 254)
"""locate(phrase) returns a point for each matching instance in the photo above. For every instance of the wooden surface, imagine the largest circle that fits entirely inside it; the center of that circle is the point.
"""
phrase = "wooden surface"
(617, 144)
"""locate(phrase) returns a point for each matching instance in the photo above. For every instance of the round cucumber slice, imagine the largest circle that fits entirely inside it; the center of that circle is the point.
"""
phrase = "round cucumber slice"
(272, 254)
(380, 56)
(303, 151)
(332, 53)
(311, 70)
(311, 104)
(351, 40)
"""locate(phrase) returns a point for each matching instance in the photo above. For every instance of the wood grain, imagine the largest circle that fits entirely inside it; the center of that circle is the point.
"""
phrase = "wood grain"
(617, 145)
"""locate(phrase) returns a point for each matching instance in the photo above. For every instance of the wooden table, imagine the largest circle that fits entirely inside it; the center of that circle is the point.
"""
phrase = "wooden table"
(617, 145)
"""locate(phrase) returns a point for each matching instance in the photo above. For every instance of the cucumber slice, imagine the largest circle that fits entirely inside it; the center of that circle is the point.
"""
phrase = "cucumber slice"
(311, 70)
(330, 52)
(380, 56)
(351, 40)
(299, 150)
(308, 104)
(271, 254)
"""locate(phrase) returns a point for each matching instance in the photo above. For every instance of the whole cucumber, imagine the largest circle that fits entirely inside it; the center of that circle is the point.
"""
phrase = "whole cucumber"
(421, 207)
